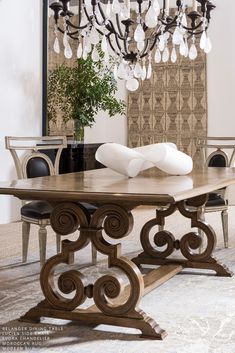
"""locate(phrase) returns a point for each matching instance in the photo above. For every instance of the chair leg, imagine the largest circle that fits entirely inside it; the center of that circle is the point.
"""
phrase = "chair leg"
(42, 236)
(58, 243)
(25, 240)
(224, 217)
(93, 254)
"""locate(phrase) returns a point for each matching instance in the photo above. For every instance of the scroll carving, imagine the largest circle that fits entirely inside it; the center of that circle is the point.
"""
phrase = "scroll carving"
(117, 223)
(192, 241)
(164, 243)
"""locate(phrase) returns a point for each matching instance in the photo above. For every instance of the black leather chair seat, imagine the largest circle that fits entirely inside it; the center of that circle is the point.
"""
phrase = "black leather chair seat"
(215, 200)
(42, 209)
(90, 208)
(36, 209)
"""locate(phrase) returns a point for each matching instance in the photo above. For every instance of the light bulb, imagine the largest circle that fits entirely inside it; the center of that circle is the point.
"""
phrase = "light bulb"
(68, 52)
(139, 34)
(65, 39)
(104, 45)
(193, 52)
(137, 70)
(149, 71)
(87, 45)
(165, 55)
(56, 46)
(184, 20)
(156, 7)
(151, 19)
(79, 51)
(158, 56)
(132, 84)
(208, 46)
(177, 36)
(173, 55)
(144, 72)
(203, 40)
(161, 44)
(95, 55)
(94, 36)
(140, 46)
(182, 48)
(186, 48)
(84, 54)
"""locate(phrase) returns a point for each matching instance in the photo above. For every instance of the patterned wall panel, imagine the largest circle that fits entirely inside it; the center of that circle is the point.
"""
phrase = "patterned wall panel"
(171, 106)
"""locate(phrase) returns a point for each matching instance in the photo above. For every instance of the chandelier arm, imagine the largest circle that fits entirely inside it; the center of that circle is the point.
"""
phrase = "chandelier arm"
(87, 15)
(111, 45)
(101, 11)
(164, 9)
(102, 15)
(100, 32)
(110, 27)
(168, 24)
(145, 50)
(70, 24)
(75, 38)
(149, 48)
(117, 41)
(118, 26)
(60, 30)
(195, 33)
(71, 34)
(195, 28)
(154, 41)
(125, 46)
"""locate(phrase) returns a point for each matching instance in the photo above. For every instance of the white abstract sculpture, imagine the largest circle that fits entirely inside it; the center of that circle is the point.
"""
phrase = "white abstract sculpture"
(131, 162)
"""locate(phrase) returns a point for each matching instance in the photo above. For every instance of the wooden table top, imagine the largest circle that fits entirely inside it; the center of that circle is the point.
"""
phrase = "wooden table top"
(149, 187)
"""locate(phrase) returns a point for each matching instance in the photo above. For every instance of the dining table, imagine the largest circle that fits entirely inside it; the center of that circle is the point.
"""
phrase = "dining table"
(116, 293)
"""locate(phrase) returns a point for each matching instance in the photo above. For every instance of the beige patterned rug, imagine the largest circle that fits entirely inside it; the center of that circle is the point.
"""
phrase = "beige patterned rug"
(197, 311)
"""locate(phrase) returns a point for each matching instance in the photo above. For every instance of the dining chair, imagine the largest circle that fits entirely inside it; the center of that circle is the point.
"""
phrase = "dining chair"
(36, 157)
(217, 152)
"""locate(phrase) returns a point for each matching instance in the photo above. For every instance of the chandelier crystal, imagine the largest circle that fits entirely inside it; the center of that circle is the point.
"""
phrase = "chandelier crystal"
(131, 35)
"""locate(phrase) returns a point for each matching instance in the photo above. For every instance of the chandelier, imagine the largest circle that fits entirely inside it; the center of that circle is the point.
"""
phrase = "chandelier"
(128, 36)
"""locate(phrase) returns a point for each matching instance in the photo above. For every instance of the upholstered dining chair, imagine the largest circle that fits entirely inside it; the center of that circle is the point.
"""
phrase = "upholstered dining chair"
(31, 158)
(217, 152)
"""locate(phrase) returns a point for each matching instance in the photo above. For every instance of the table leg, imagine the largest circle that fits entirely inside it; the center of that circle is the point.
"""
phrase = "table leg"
(113, 304)
(189, 244)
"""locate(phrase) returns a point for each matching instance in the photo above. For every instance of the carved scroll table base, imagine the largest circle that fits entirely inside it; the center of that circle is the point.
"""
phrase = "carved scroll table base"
(187, 244)
(114, 303)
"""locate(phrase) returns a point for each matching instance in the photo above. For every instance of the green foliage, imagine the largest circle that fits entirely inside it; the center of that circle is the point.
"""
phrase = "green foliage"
(79, 92)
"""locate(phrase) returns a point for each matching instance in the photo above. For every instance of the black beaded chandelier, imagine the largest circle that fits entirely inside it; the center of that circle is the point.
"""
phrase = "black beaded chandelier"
(133, 33)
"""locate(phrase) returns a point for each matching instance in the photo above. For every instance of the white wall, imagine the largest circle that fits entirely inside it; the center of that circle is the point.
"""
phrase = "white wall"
(221, 71)
(20, 84)
(221, 74)
(108, 129)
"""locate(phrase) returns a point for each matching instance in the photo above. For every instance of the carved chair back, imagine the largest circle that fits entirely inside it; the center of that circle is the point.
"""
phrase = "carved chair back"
(217, 152)
(35, 163)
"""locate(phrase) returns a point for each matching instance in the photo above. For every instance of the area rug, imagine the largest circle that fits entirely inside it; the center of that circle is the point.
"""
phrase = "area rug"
(197, 311)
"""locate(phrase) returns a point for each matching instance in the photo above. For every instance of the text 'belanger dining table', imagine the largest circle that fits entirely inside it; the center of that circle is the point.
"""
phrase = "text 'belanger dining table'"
(115, 197)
